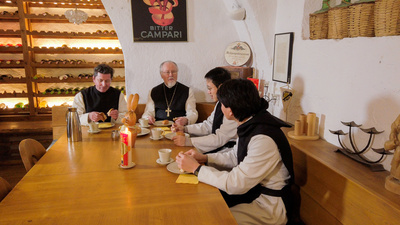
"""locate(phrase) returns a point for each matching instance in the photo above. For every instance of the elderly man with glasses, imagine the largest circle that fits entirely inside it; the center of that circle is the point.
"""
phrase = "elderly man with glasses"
(171, 99)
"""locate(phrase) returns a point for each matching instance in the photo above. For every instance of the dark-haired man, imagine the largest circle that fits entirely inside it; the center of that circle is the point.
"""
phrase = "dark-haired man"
(255, 176)
(101, 99)
(216, 133)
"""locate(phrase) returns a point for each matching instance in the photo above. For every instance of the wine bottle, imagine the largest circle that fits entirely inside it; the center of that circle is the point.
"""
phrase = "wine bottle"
(69, 91)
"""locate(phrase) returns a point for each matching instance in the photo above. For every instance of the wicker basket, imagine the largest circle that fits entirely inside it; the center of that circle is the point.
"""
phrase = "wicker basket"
(338, 22)
(361, 20)
(319, 25)
(387, 17)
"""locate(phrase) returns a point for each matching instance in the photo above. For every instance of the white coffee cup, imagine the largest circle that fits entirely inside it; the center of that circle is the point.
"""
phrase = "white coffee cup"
(93, 126)
(144, 122)
(156, 132)
(165, 155)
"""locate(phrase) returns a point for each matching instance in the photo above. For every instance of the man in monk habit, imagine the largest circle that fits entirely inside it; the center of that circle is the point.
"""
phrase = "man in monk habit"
(101, 100)
(171, 99)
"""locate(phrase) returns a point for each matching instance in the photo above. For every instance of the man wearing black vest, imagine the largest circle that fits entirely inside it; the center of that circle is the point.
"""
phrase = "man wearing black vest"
(256, 175)
(171, 99)
(100, 98)
(216, 133)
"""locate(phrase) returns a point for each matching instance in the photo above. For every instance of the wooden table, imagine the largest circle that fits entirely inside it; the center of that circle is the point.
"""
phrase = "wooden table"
(81, 183)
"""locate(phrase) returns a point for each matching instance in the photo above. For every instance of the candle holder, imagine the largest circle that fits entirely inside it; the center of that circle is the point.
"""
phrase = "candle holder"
(355, 153)
(128, 139)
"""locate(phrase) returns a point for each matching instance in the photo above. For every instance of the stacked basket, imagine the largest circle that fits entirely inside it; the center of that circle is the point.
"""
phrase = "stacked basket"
(387, 17)
(319, 22)
(361, 19)
(364, 18)
(338, 21)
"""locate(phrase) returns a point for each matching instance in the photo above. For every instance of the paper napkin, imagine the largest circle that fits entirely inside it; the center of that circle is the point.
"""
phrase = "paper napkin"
(187, 179)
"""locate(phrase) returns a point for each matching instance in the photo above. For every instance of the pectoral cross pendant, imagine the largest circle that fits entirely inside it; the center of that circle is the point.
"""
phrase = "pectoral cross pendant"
(168, 111)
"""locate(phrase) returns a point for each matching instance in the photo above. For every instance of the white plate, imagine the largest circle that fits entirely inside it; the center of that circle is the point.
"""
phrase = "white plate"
(155, 139)
(161, 163)
(93, 132)
(144, 126)
(105, 125)
(172, 134)
(160, 123)
(144, 132)
(173, 168)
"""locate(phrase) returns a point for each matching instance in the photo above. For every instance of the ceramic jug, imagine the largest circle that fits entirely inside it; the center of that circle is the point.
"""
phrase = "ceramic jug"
(74, 130)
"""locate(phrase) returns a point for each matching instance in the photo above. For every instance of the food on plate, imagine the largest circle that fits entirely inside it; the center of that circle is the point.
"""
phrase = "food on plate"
(165, 122)
(105, 125)
(138, 129)
(180, 133)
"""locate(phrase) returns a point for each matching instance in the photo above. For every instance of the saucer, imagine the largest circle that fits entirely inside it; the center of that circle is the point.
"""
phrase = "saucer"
(173, 168)
(155, 139)
(144, 126)
(127, 167)
(93, 132)
(161, 163)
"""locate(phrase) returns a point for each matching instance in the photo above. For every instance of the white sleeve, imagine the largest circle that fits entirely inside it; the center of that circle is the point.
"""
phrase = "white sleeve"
(263, 160)
(150, 108)
(191, 112)
(80, 106)
(122, 108)
(203, 128)
(225, 133)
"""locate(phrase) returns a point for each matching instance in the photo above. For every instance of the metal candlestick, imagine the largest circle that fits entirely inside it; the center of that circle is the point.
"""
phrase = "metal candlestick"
(355, 153)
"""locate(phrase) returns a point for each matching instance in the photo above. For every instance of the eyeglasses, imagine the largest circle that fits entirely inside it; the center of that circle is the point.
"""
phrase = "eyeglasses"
(170, 72)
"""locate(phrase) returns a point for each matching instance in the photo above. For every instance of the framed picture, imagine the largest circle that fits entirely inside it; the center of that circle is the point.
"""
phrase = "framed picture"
(159, 20)
(283, 48)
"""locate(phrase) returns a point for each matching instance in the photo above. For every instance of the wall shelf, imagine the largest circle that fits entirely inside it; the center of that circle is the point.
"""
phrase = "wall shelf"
(78, 35)
(13, 81)
(82, 65)
(74, 50)
(72, 80)
(61, 19)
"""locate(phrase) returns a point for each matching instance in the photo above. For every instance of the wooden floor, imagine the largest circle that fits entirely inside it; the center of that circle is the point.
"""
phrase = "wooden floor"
(12, 171)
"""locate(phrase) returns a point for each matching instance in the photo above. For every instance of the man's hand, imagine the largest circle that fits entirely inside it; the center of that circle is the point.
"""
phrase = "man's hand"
(176, 128)
(151, 119)
(114, 114)
(179, 140)
(181, 121)
(95, 116)
(186, 162)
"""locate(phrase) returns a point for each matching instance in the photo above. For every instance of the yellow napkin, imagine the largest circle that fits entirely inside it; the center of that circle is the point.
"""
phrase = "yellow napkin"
(187, 179)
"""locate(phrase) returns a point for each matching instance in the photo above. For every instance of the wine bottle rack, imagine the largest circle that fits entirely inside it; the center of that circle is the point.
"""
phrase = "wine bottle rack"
(77, 35)
(17, 15)
(74, 50)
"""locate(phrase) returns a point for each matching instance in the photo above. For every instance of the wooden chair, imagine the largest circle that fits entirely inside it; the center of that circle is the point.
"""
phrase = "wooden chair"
(5, 187)
(31, 151)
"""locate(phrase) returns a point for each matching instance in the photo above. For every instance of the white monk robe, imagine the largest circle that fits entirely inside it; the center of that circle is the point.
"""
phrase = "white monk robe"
(263, 164)
(207, 141)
